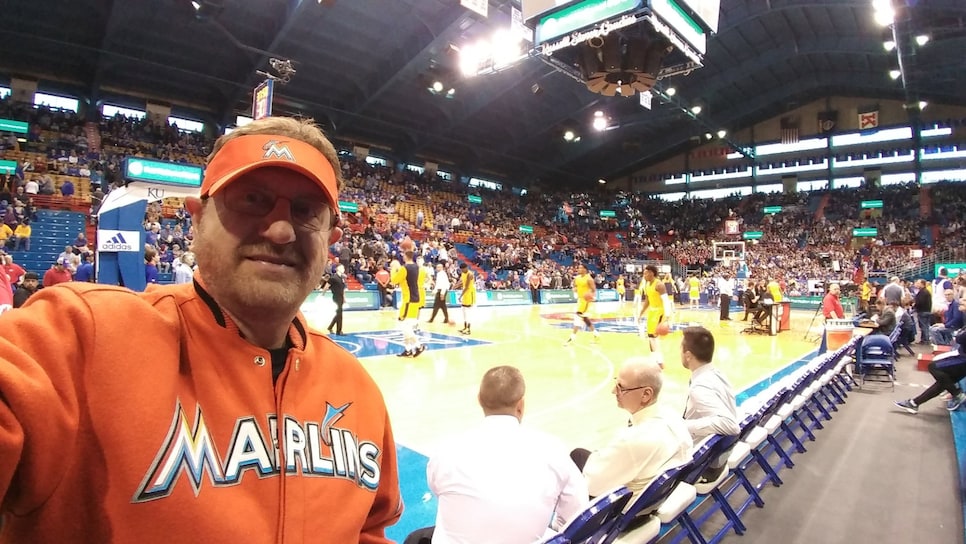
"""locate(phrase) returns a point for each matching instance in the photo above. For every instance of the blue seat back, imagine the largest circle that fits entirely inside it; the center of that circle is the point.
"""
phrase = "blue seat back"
(648, 501)
(875, 347)
(598, 518)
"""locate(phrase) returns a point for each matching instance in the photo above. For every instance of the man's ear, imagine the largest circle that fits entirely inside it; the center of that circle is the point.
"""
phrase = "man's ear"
(195, 207)
(335, 235)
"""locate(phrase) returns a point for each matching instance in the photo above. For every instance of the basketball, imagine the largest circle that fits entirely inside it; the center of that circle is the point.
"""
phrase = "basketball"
(662, 329)
(589, 297)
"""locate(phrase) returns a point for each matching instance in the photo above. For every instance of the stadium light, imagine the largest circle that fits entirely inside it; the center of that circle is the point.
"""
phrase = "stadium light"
(889, 45)
(894, 74)
(195, 4)
(885, 15)
(569, 135)
(696, 110)
(602, 181)
(600, 121)
(671, 91)
(922, 39)
(722, 133)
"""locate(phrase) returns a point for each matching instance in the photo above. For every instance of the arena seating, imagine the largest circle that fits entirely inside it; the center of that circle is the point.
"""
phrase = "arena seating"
(677, 506)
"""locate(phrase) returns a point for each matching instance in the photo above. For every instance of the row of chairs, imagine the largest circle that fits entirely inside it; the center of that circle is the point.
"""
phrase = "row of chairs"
(777, 424)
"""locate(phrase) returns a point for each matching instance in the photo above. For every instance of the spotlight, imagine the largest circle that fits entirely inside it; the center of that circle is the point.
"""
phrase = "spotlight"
(671, 91)
(600, 121)
(602, 181)
(922, 105)
(889, 45)
(708, 136)
(922, 39)
(894, 74)
(451, 93)
(195, 4)
(438, 86)
(885, 16)
(722, 133)
(569, 135)
(696, 110)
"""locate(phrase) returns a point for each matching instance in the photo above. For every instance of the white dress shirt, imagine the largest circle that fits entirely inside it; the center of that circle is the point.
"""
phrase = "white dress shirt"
(503, 482)
(654, 443)
(711, 407)
(726, 286)
(442, 281)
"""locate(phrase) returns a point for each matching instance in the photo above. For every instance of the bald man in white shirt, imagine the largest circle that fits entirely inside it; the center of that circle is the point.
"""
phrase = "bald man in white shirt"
(654, 441)
(501, 481)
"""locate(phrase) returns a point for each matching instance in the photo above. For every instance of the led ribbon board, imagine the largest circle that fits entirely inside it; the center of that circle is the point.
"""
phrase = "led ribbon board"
(9, 125)
(583, 15)
(162, 172)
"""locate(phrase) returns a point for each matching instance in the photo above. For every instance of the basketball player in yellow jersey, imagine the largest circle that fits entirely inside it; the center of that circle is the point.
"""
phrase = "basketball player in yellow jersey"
(694, 291)
(621, 289)
(410, 278)
(656, 305)
(467, 295)
(586, 291)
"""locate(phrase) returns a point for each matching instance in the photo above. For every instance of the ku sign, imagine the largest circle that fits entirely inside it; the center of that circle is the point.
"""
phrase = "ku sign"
(114, 241)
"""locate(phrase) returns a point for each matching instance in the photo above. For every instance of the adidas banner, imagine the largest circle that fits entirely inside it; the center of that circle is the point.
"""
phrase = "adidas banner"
(118, 240)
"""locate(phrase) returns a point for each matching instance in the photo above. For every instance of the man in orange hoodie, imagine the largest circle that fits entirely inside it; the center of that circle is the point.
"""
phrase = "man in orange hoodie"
(206, 411)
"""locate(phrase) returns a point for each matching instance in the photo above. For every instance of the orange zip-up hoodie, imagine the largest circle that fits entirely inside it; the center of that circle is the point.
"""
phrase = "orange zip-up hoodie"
(146, 417)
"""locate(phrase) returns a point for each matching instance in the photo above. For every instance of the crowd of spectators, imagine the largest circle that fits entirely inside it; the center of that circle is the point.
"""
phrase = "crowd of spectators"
(811, 238)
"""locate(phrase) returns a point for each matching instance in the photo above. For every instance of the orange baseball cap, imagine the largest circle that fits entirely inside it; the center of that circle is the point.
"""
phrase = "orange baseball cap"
(243, 154)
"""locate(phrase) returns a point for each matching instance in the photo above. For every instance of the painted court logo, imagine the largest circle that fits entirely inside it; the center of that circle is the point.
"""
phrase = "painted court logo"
(277, 150)
(265, 448)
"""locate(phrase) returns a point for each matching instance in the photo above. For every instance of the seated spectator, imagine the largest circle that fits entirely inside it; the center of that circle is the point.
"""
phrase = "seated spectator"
(59, 273)
(886, 318)
(46, 185)
(21, 236)
(67, 189)
(947, 368)
(10, 218)
(500, 481)
(6, 235)
(27, 287)
(66, 254)
(85, 270)
(79, 245)
(31, 187)
(942, 334)
(652, 443)
(711, 408)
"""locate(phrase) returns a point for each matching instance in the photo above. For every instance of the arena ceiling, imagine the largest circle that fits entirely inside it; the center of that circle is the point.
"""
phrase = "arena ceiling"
(363, 67)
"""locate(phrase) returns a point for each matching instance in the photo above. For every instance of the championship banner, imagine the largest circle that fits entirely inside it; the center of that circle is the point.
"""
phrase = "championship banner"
(262, 99)
(868, 118)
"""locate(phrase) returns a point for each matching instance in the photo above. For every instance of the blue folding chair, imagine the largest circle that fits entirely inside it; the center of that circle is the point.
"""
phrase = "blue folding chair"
(597, 520)
(874, 356)
(637, 522)
(693, 475)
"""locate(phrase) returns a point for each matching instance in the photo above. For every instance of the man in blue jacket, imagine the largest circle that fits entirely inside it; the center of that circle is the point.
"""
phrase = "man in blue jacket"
(942, 333)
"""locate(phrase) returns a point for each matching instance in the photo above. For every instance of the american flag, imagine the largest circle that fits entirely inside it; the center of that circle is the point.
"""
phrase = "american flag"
(789, 130)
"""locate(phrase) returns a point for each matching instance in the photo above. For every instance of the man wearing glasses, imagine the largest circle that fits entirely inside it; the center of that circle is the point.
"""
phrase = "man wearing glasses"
(208, 410)
(653, 441)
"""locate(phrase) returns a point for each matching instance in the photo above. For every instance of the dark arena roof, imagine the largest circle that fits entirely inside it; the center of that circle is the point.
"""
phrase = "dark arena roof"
(363, 69)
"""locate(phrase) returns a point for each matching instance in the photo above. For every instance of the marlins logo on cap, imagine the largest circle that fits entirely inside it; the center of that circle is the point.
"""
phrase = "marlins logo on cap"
(275, 149)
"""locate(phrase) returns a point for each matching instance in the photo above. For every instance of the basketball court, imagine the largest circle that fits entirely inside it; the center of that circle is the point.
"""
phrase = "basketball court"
(568, 387)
